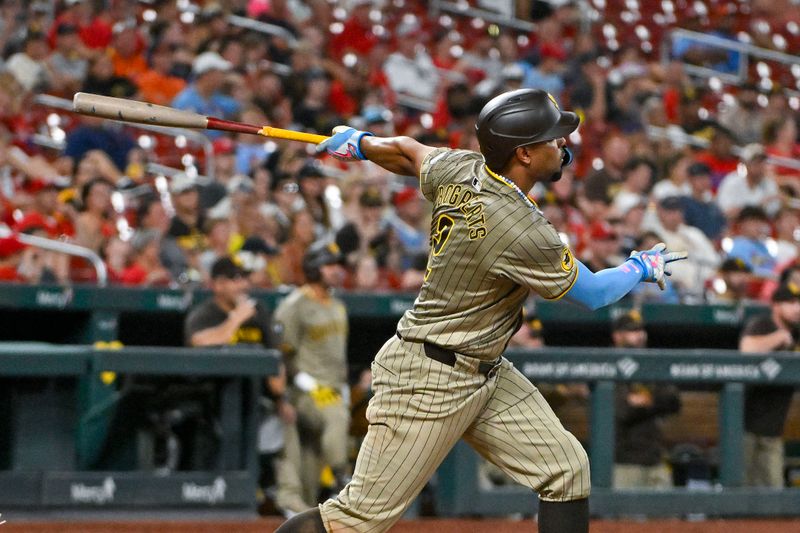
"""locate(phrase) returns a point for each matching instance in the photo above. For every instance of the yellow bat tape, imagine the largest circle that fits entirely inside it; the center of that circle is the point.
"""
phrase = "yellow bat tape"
(269, 131)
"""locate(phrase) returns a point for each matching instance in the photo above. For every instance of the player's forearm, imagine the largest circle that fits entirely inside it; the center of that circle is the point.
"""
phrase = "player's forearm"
(762, 343)
(596, 290)
(221, 334)
(395, 154)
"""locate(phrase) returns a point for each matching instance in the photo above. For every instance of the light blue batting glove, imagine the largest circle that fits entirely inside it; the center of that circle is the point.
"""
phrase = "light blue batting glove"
(344, 144)
(653, 263)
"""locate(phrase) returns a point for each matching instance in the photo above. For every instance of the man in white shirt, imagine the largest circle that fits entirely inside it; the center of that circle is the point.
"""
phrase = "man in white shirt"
(638, 176)
(750, 184)
(410, 70)
(678, 235)
(744, 116)
(28, 66)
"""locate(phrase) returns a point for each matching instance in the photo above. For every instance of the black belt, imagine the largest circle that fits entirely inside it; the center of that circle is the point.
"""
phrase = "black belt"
(448, 357)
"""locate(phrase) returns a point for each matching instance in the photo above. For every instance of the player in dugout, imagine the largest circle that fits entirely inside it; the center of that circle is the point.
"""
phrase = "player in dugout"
(442, 377)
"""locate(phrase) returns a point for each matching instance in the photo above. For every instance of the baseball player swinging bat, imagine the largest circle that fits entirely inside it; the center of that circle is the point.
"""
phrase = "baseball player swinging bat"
(158, 115)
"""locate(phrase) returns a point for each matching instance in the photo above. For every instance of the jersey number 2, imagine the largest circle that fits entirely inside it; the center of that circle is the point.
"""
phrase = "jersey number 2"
(441, 232)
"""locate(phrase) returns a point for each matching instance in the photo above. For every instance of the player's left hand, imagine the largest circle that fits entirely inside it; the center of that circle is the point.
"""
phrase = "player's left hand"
(654, 261)
(344, 144)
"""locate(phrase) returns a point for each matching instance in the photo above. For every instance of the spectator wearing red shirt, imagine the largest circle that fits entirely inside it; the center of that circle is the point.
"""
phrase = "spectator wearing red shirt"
(780, 137)
(10, 255)
(36, 264)
(356, 36)
(45, 202)
(146, 267)
(94, 31)
(602, 247)
(115, 255)
(549, 33)
(719, 156)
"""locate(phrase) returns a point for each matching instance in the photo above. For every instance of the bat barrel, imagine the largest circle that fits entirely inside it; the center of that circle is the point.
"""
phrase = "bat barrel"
(133, 111)
(157, 115)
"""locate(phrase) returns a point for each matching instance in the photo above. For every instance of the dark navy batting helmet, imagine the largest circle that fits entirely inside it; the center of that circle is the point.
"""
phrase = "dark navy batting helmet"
(319, 254)
(518, 118)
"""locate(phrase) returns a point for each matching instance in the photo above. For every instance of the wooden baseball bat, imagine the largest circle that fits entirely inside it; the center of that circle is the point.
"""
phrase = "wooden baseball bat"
(159, 115)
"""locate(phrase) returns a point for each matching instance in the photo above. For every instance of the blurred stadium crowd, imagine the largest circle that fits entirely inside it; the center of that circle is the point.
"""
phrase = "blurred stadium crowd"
(701, 163)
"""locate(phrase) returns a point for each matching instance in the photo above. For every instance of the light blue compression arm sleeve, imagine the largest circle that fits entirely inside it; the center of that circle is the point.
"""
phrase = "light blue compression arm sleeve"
(596, 290)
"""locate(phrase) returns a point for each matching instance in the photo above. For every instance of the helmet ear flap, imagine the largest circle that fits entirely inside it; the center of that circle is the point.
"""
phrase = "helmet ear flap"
(319, 254)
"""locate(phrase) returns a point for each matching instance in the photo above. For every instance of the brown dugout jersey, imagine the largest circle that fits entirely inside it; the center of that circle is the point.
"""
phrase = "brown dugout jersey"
(490, 245)
(314, 334)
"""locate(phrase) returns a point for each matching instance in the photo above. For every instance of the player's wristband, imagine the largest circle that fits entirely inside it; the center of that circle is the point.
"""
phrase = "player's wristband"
(596, 290)
(305, 382)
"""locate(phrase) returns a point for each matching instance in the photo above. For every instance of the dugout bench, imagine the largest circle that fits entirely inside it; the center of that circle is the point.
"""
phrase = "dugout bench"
(54, 397)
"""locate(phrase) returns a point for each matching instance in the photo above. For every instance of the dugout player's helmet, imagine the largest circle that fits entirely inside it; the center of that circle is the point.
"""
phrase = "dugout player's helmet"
(518, 118)
(319, 254)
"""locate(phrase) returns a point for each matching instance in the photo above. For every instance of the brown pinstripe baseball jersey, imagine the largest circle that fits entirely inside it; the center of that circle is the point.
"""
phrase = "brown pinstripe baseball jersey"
(489, 246)
(317, 332)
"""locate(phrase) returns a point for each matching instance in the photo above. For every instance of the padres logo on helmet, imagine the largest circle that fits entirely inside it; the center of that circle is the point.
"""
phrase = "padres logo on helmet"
(319, 254)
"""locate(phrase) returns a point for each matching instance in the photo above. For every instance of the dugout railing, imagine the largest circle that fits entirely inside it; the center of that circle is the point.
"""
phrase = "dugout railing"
(459, 491)
(64, 317)
(55, 405)
(44, 464)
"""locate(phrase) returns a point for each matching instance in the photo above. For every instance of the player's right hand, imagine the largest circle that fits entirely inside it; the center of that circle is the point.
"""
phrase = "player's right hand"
(244, 310)
(344, 144)
(654, 261)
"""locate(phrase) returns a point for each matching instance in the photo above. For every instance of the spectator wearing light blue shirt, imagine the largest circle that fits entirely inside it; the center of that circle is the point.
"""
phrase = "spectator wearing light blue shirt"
(751, 244)
(408, 226)
(548, 74)
(203, 96)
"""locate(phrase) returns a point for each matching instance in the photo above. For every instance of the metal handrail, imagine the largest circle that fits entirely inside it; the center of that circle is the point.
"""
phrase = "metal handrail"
(415, 102)
(168, 172)
(745, 50)
(737, 46)
(264, 27)
(194, 136)
(278, 68)
(61, 247)
(465, 10)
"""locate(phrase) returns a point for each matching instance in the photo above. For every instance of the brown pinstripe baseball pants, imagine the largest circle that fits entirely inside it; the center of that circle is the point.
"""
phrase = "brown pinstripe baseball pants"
(420, 410)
